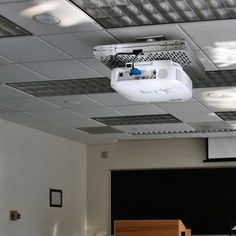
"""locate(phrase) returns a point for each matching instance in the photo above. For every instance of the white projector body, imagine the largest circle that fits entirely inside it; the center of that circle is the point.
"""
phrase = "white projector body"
(159, 81)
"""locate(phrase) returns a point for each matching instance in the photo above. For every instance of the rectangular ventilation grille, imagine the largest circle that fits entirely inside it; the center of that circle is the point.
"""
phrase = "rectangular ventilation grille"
(102, 85)
(64, 87)
(100, 130)
(133, 120)
(198, 131)
(8, 29)
(112, 14)
(216, 79)
(229, 115)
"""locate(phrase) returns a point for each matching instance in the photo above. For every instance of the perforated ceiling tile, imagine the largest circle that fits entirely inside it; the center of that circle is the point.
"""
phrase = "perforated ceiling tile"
(216, 79)
(64, 87)
(229, 115)
(132, 120)
(189, 133)
(122, 13)
(100, 130)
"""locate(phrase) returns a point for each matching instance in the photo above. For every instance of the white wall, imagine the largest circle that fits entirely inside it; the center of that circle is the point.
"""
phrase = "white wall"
(167, 153)
(31, 162)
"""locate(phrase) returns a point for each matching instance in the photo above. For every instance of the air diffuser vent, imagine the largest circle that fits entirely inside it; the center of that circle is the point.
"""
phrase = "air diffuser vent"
(64, 87)
(199, 131)
(133, 120)
(228, 115)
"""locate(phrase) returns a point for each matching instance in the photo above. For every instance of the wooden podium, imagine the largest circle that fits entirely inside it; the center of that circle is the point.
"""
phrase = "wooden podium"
(150, 228)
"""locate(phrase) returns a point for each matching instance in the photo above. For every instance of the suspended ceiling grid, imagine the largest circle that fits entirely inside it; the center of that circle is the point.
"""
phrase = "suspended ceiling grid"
(60, 54)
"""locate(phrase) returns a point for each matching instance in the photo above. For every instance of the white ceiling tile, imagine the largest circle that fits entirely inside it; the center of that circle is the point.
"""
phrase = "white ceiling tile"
(18, 117)
(28, 104)
(78, 123)
(66, 69)
(96, 111)
(216, 39)
(16, 73)
(71, 18)
(44, 125)
(171, 127)
(4, 108)
(80, 45)
(178, 107)
(217, 99)
(111, 99)
(56, 114)
(134, 128)
(11, 93)
(8, 1)
(197, 117)
(97, 65)
(210, 125)
(28, 49)
(73, 101)
(147, 109)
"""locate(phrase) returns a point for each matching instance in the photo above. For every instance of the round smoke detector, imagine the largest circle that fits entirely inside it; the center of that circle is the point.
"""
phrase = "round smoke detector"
(47, 19)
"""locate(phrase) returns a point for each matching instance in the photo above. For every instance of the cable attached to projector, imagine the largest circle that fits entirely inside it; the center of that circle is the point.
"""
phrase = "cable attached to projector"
(133, 70)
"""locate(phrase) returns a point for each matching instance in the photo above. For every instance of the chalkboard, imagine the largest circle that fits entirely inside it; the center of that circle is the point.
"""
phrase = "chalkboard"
(204, 199)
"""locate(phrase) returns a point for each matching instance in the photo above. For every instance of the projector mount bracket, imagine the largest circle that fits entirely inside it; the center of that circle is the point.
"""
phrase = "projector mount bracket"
(178, 51)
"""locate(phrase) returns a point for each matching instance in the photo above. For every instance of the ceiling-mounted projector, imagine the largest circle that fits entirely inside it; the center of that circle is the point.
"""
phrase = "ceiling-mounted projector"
(155, 81)
(157, 71)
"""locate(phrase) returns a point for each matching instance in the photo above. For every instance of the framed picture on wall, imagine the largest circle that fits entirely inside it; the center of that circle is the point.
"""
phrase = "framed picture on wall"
(55, 198)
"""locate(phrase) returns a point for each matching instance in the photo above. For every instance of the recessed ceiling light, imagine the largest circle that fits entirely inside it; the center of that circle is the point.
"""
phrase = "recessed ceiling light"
(47, 19)
(218, 95)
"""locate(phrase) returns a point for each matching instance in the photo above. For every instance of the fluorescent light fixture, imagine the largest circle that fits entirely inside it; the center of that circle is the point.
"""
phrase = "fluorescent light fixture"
(120, 13)
(8, 29)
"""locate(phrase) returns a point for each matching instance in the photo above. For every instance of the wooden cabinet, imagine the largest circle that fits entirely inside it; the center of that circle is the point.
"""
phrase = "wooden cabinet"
(150, 228)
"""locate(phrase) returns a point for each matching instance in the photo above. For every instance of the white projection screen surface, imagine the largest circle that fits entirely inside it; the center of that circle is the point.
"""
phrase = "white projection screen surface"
(222, 148)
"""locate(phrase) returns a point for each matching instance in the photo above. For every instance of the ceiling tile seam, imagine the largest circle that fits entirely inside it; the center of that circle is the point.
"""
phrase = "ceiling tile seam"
(196, 45)
(113, 109)
(203, 105)
(52, 46)
(94, 100)
(70, 111)
(23, 64)
(29, 113)
(70, 32)
(36, 73)
(82, 63)
(7, 106)
(10, 61)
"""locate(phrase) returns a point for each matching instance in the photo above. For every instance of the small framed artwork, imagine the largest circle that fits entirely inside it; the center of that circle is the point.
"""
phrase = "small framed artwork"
(55, 198)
